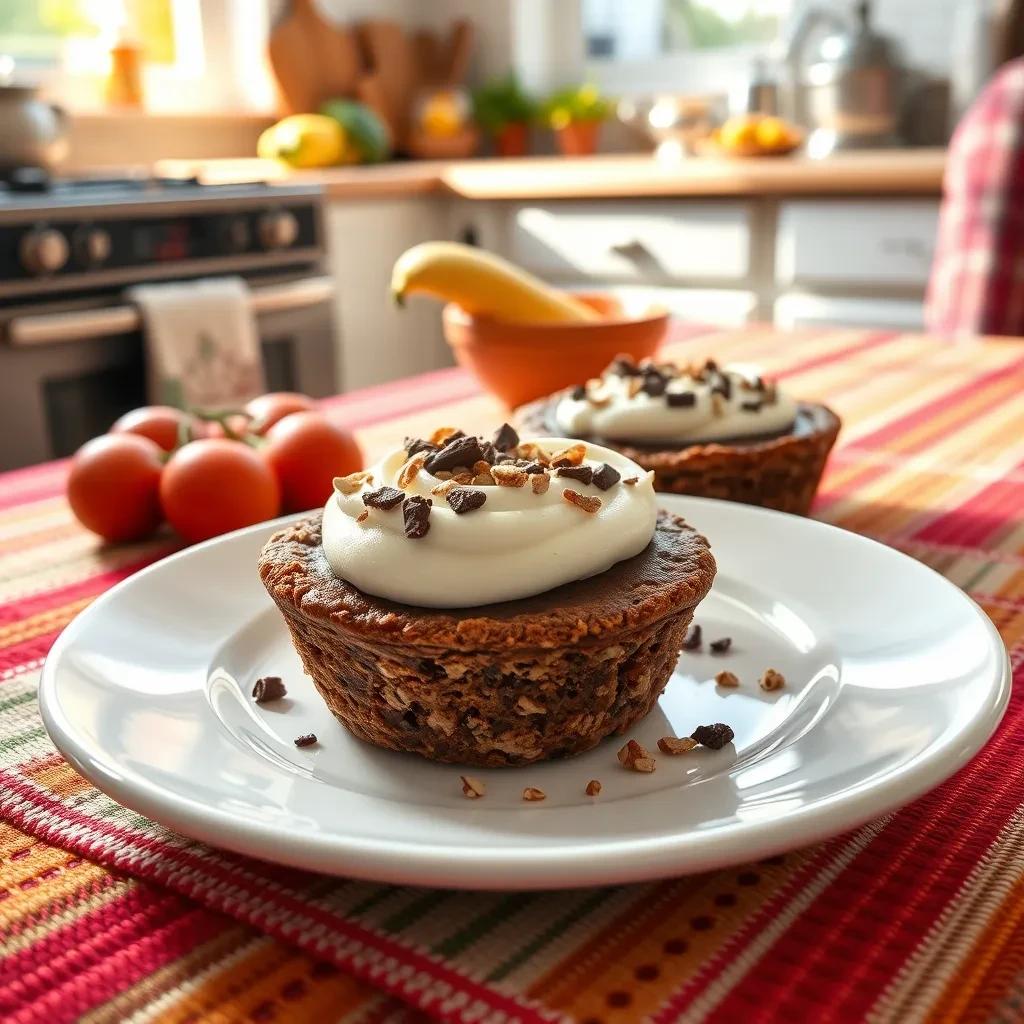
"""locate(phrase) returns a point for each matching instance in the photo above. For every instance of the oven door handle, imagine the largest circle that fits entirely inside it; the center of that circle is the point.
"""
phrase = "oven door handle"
(87, 324)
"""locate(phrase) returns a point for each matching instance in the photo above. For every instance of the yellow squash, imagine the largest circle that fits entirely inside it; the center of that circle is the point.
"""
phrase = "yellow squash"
(483, 284)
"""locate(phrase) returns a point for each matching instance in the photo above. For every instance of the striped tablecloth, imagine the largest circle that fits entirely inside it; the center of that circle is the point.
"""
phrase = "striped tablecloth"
(105, 916)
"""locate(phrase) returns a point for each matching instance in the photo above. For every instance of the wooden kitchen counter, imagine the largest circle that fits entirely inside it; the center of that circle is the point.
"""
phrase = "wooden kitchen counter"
(875, 172)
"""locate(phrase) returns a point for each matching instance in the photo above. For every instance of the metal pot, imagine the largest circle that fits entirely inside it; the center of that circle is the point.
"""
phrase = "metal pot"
(33, 133)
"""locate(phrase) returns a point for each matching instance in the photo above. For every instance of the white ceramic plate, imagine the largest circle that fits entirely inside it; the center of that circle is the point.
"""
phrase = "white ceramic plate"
(895, 679)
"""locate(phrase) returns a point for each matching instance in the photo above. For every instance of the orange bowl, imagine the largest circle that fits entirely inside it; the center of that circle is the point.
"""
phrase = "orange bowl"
(520, 362)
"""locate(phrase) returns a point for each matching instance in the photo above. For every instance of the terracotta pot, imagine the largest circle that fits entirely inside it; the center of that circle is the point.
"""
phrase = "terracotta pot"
(513, 139)
(579, 138)
(520, 362)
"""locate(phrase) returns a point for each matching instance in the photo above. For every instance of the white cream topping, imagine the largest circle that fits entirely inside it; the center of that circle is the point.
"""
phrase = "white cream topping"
(622, 414)
(517, 544)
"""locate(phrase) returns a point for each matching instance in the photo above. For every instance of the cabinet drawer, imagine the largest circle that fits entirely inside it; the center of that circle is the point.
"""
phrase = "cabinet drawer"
(858, 242)
(635, 241)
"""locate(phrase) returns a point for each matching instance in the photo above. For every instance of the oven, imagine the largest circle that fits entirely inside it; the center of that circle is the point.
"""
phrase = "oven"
(72, 357)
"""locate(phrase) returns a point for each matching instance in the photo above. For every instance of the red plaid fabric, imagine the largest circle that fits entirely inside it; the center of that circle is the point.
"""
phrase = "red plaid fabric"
(977, 280)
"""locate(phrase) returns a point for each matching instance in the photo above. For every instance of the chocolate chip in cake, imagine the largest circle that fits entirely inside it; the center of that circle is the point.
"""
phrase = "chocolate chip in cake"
(415, 445)
(605, 476)
(578, 393)
(268, 688)
(505, 438)
(463, 500)
(306, 740)
(416, 515)
(459, 451)
(589, 503)
(582, 473)
(714, 737)
(680, 399)
(693, 638)
(721, 646)
(385, 498)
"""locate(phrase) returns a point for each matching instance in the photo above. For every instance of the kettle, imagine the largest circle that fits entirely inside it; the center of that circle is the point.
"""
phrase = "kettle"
(33, 133)
(852, 90)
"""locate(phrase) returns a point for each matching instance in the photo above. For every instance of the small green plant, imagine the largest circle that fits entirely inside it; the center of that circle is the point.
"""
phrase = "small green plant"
(501, 102)
(578, 103)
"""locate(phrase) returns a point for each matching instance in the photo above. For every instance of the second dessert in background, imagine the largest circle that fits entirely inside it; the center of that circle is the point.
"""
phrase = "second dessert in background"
(705, 430)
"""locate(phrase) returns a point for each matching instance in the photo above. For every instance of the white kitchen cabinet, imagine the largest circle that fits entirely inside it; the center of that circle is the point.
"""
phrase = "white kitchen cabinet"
(887, 243)
(633, 240)
(719, 306)
(802, 310)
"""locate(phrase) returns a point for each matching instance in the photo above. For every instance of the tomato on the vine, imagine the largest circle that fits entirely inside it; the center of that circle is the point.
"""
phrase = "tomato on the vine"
(162, 424)
(274, 407)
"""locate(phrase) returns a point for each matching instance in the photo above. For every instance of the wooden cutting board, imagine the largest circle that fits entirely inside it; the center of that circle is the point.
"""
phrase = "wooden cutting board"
(392, 58)
(313, 59)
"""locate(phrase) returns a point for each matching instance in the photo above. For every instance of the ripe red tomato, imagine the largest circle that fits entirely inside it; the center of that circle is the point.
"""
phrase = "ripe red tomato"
(114, 486)
(215, 485)
(160, 423)
(269, 409)
(306, 452)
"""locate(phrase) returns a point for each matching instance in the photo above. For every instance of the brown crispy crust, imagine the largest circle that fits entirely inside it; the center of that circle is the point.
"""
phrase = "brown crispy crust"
(774, 472)
(506, 684)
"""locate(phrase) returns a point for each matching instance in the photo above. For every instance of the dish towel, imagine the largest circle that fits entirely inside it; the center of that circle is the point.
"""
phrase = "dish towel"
(202, 346)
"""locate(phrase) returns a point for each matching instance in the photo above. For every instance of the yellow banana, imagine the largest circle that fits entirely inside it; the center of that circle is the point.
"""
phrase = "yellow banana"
(482, 283)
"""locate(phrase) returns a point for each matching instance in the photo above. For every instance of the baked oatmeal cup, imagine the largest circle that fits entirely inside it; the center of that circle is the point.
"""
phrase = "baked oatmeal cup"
(708, 431)
(490, 603)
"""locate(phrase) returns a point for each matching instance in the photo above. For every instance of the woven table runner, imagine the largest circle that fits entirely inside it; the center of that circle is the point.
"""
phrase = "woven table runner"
(105, 915)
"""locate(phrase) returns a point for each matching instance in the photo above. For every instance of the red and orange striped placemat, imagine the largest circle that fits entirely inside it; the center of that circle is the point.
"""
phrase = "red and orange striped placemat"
(105, 916)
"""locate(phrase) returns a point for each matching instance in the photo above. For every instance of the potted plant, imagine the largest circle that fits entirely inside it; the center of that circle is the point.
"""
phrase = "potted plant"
(505, 111)
(575, 114)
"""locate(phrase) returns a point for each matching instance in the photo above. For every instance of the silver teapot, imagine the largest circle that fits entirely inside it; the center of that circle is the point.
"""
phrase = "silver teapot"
(33, 133)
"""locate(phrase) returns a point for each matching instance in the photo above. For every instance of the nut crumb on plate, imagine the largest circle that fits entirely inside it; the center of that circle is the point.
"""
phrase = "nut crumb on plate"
(772, 680)
(593, 787)
(531, 793)
(635, 758)
(268, 688)
(726, 678)
(676, 745)
(306, 740)
(472, 788)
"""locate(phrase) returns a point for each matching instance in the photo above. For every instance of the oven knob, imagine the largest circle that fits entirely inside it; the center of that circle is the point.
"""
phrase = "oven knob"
(278, 229)
(234, 234)
(44, 251)
(93, 246)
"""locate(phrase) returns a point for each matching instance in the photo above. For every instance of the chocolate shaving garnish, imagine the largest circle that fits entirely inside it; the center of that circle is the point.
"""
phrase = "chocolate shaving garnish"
(584, 474)
(721, 646)
(505, 438)
(268, 688)
(605, 476)
(623, 366)
(755, 406)
(463, 500)
(578, 393)
(306, 740)
(680, 399)
(714, 737)
(693, 638)
(459, 451)
(415, 445)
(654, 384)
(385, 498)
(589, 503)
(416, 516)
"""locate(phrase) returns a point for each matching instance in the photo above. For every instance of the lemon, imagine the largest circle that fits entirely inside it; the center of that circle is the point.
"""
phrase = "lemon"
(773, 133)
(739, 133)
(306, 140)
(441, 116)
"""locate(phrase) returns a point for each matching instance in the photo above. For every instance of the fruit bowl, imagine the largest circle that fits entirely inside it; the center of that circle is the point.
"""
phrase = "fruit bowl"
(520, 362)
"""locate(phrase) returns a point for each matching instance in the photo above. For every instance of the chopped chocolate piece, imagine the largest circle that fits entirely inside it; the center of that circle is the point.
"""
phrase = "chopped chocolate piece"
(605, 476)
(443, 435)
(589, 503)
(772, 680)
(623, 366)
(532, 467)
(693, 639)
(463, 500)
(491, 455)
(726, 678)
(505, 438)
(472, 788)
(672, 745)
(306, 740)
(680, 399)
(721, 646)
(540, 483)
(582, 473)
(416, 514)
(384, 497)
(509, 476)
(350, 484)
(459, 451)
(531, 793)
(415, 445)
(714, 737)
(578, 393)
(363, 516)
(654, 384)
(755, 406)
(268, 688)
(571, 456)
(631, 480)
(593, 787)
